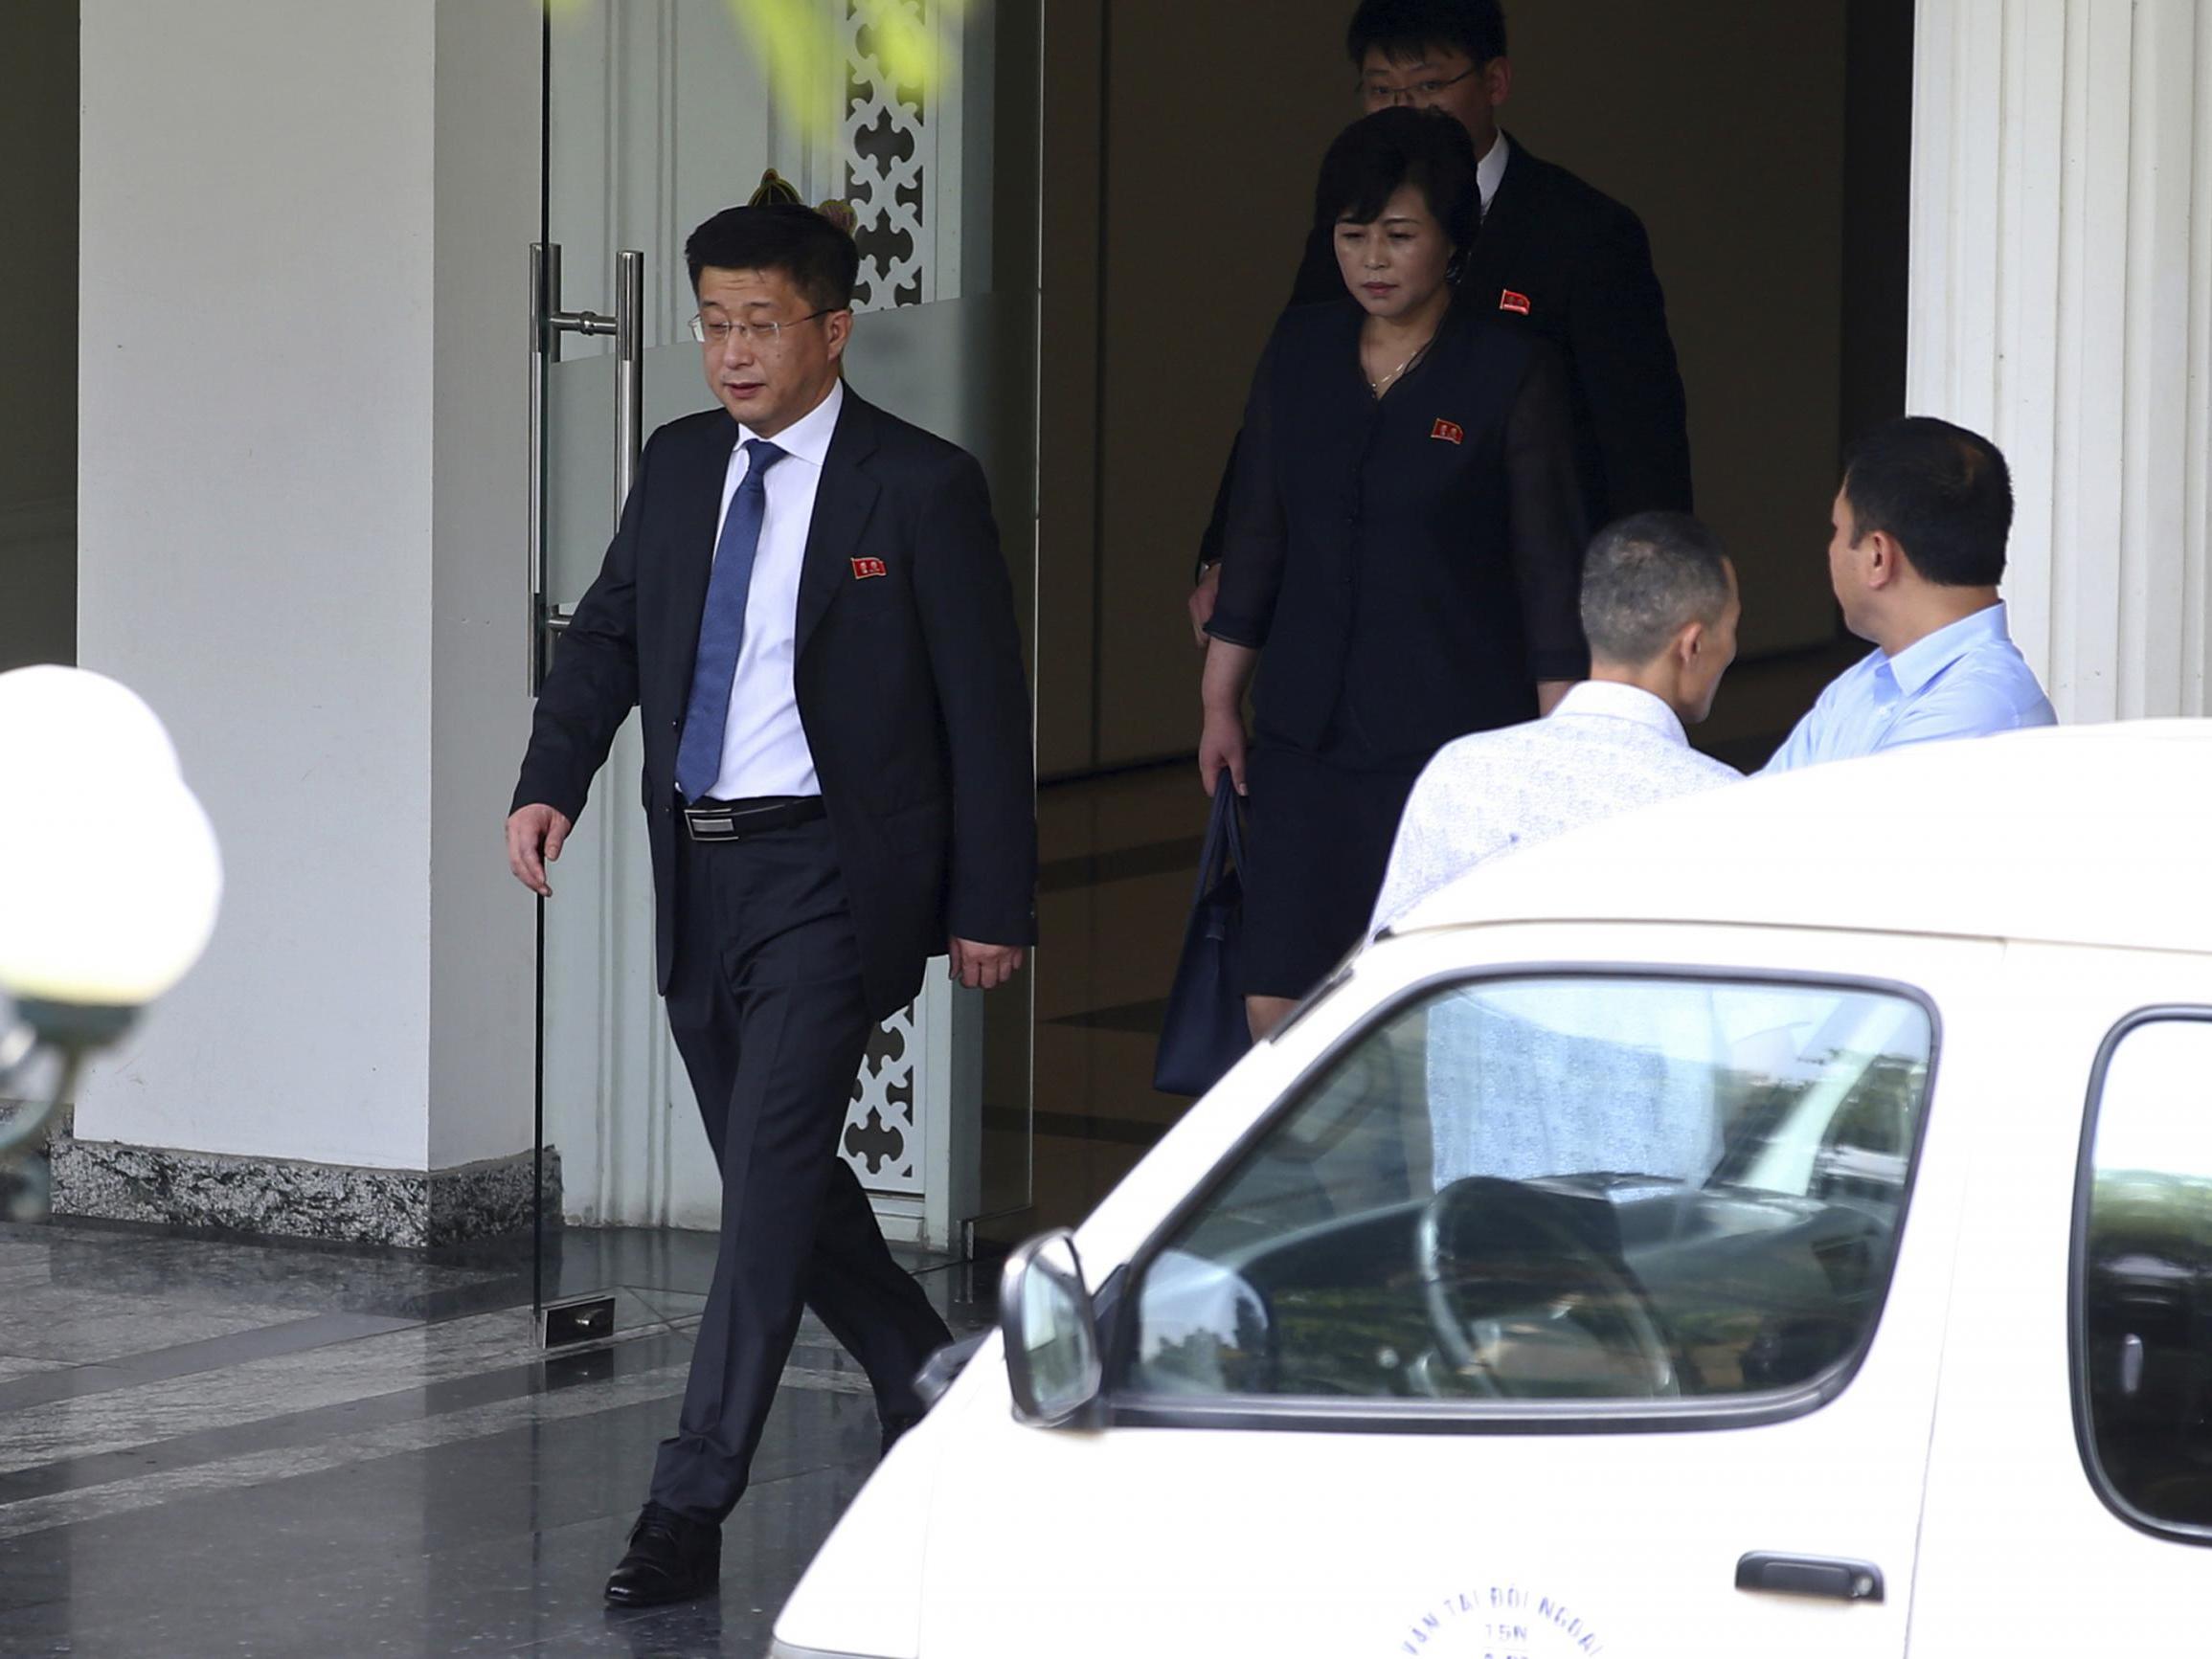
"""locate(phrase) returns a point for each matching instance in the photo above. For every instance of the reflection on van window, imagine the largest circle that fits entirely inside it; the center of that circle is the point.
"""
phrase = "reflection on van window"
(2146, 1294)
(1559, 1188)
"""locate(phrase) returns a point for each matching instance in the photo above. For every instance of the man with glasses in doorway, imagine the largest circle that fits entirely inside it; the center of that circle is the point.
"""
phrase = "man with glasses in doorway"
(1554, 255)
(806, 602)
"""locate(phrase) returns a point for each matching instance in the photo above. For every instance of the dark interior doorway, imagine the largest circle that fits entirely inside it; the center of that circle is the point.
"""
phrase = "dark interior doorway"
(1768, 150)
(38, 79)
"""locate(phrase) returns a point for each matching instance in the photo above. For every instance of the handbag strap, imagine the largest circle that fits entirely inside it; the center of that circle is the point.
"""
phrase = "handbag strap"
(1223, 838)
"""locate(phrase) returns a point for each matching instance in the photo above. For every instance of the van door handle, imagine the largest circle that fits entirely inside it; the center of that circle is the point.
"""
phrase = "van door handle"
(1809, 1576)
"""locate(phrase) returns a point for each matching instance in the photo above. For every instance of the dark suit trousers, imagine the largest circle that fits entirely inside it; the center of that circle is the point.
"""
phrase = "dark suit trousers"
(767, 1011)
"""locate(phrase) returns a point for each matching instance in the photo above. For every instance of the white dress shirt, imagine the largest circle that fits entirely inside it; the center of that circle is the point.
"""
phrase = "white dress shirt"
(1608, 747)
(1967, 680)
(1490, 170)
(764, 748)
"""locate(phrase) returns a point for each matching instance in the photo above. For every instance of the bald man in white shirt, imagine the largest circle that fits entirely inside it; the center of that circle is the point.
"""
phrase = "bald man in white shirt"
(1659, 607)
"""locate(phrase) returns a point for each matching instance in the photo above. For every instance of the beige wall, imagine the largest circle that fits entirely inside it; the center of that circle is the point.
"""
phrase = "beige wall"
(38, 358)
(1194, 153)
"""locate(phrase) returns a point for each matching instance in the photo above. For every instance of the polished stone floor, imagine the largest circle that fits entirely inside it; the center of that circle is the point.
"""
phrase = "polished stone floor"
(255, 1450)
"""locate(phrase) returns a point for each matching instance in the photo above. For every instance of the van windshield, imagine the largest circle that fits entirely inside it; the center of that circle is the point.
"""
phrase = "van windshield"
(1559, 1188)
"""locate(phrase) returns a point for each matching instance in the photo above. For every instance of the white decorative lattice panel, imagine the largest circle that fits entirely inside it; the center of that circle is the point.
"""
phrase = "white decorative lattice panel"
(902, 159)
(883, 1131)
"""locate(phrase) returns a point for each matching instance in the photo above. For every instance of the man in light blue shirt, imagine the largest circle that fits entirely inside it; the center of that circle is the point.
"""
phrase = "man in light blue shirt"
(1918, 549)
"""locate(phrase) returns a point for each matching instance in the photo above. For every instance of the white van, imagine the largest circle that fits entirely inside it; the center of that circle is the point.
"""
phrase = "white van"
(1775, 1225)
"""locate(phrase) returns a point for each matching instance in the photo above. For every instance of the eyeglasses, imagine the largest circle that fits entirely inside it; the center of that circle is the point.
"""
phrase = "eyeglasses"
(716, 330)
(1421, 92)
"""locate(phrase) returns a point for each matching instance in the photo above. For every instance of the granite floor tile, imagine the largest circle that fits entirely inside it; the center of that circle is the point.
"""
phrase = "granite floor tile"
(16, 1276)
(254, 1468)
(676, 1307)
(127, 1416)
(317, 1426)
(185, 1268)
(82, 1326)
(15, 1365)
(305, 1450)
(491, 1544)
(292, 1336)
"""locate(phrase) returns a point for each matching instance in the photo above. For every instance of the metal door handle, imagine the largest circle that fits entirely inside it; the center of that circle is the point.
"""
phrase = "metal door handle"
(1809, 1576)
(629, 371)
(548, 323)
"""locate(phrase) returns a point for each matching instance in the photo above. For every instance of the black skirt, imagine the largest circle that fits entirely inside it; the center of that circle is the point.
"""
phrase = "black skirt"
(1318, 845)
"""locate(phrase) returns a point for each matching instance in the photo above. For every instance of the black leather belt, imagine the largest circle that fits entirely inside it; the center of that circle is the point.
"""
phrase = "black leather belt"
(734, 820)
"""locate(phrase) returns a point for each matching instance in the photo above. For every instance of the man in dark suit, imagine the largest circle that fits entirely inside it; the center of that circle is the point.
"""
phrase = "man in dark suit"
(806, 602)
(1554, 255)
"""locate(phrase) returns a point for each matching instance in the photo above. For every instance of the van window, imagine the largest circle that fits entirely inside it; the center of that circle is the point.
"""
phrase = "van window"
(2143, 1291)
(1557, 1189)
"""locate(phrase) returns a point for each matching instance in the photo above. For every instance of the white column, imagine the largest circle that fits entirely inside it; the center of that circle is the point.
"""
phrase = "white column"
(2062, 303)
(304, 373)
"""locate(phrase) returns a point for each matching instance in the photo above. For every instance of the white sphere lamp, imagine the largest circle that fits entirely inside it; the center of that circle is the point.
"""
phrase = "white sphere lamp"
(109, 873)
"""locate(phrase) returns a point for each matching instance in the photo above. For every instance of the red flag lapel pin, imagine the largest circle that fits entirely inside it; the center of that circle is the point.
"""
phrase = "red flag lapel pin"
(1509, 300)
(1448, 432)
(863, 568)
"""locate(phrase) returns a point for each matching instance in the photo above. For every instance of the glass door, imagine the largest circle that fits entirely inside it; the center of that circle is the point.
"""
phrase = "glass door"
(921, 117)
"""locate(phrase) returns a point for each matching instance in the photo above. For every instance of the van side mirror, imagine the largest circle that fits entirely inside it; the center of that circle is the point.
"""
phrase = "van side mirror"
(1052, 1334)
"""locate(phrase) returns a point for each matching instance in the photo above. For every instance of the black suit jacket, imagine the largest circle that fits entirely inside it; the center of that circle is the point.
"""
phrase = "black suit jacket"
(1581, 264)
(910, 683)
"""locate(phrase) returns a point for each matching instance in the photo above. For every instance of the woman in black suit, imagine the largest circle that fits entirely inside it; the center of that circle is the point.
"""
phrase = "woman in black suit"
(1404, 550)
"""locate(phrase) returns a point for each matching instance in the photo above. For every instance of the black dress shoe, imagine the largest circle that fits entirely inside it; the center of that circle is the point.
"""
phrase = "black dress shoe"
(671, 1558)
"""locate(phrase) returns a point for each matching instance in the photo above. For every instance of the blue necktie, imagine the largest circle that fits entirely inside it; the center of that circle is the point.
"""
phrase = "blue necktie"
(722, 625)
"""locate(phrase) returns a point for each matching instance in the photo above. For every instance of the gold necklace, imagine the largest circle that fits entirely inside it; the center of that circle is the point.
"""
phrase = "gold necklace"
(1376, 386)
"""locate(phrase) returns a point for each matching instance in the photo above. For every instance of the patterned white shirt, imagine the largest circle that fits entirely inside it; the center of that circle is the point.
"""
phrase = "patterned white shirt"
(1521, 1097)
(1606, 747)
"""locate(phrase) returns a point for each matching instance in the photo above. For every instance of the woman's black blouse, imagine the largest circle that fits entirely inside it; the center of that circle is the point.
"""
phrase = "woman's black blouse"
(1408, 566)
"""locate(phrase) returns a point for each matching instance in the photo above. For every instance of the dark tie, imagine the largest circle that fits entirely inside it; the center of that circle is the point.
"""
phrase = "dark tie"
(722, 625)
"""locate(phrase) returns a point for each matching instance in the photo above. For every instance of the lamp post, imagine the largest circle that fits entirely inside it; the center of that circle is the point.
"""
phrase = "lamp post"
(110, 881)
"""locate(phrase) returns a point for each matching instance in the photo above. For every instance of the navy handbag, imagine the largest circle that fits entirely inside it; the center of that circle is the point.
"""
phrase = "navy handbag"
(1204, 1031)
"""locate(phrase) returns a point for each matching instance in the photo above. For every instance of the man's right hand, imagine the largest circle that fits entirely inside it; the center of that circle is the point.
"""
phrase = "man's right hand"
(1202, 601)
(534, 835)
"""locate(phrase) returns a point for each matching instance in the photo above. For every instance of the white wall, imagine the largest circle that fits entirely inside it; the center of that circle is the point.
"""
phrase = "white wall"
(293, 544)
(2062, 302)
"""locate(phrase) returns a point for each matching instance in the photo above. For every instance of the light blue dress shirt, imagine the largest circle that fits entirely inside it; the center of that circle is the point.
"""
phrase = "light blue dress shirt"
(1968, 680)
